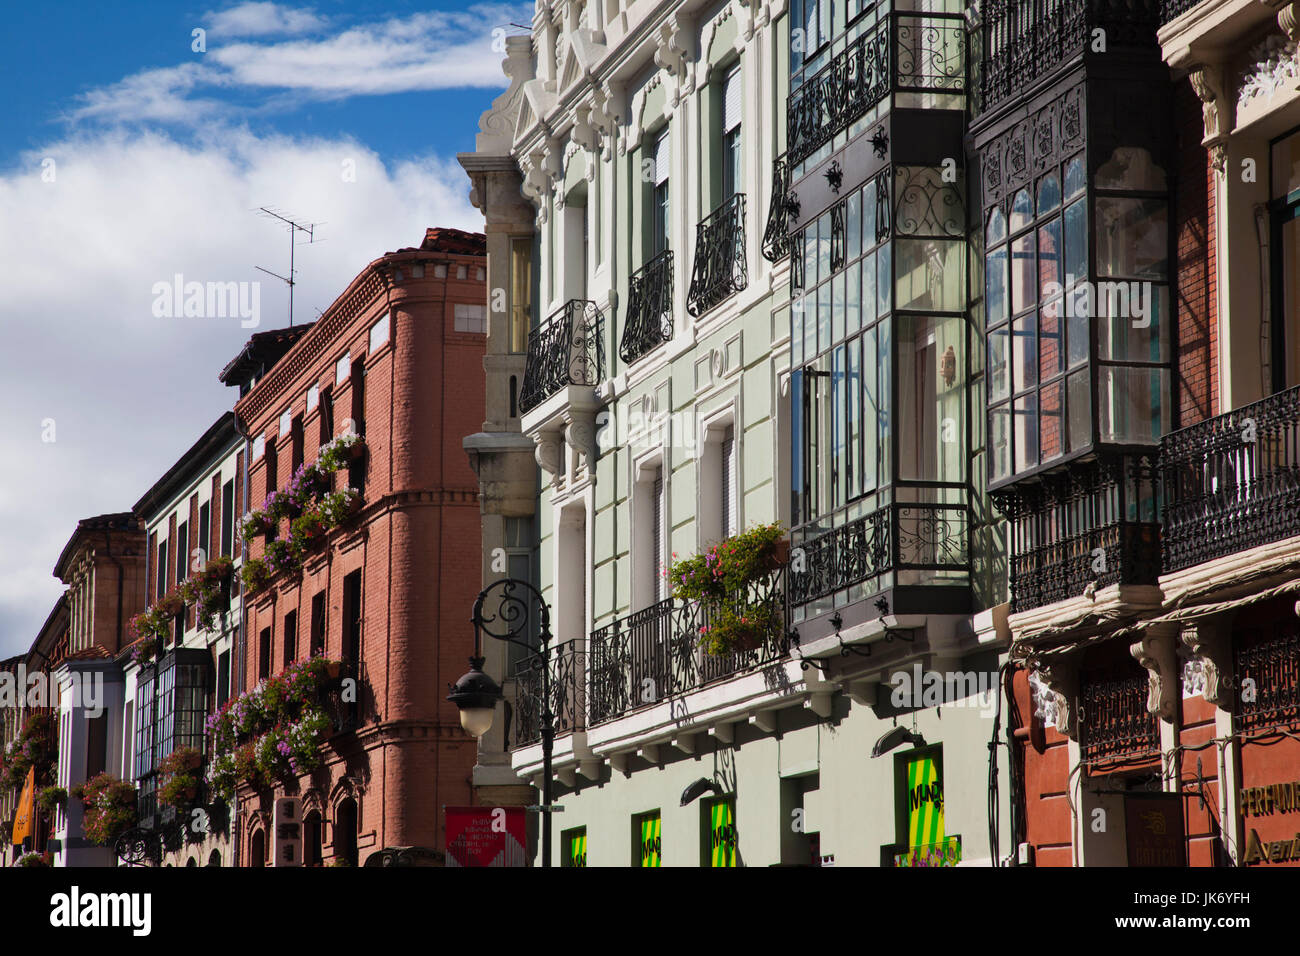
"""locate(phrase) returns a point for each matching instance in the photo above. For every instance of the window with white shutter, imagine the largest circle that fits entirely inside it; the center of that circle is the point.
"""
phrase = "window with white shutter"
(660, 197)
(730, 140)
(728, 482)
(657, 537)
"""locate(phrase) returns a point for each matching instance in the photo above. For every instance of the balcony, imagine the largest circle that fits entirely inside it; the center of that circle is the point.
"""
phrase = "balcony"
(898, 537)
(647, 657)
(1092, 525)
(566, 349)
(650, 308)
(1025, 40)
(1272, 662)
(344, 697)
(1114, 723)
(927, 57)
(1232, 482)
(567, 684)
(720, 265)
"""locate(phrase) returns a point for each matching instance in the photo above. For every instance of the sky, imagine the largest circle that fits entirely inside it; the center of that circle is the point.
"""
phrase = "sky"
(135, 149)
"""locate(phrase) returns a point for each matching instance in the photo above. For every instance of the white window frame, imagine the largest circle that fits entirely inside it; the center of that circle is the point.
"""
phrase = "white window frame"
(710, 524)
(646, 567)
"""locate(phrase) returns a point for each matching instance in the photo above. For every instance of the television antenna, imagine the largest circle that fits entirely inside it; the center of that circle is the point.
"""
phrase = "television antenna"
(294, 229)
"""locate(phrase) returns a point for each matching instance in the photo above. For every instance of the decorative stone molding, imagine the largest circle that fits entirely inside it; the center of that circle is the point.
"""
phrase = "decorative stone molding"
(1207, 81)
(547, 451)
(1288, 19)
(1271, 66)
(580, 433)
(1156, 651)
(672, 48)
(1061, 677)
(1209, 642)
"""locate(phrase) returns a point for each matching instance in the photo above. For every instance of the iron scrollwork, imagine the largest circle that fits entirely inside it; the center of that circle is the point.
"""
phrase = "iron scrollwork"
(566, 349)
(650, 308)
(720, 265)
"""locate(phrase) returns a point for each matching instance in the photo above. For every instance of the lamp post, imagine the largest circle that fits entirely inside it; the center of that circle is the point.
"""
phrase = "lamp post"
(476, 694)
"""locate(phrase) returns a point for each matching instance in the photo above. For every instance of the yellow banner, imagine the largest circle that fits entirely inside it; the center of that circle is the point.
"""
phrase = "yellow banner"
(25, 815)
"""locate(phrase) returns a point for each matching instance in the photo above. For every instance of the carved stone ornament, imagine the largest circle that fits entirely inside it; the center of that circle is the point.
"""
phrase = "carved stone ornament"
(1210, 644)
(1157, 653)
(580, 433)
(1061, 677)
(547, 452)
(1207, 81)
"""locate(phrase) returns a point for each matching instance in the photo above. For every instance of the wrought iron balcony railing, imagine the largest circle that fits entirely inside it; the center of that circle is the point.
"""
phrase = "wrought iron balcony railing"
(1232, 482)
(1173, 9)
(566, 349)
(1079, 528)
(652, 655)
(901, 536)
(776, 237)
(344, 698)
(1027, 39)
(721, 268)
(1114, 723)
(567, 678)
(1272, 665)
(649, 308)
(927, 55)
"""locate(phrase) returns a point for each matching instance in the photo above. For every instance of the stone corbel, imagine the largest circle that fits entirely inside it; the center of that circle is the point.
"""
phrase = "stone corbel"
(547, 452)
(585, 133)
(580, 433)
(1210, 640)
(1062, 678)
(1157, 652)
(1208, 82)
(1288, 19)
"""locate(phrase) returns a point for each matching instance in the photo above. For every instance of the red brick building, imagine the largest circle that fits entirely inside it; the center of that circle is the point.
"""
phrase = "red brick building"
(397, 359)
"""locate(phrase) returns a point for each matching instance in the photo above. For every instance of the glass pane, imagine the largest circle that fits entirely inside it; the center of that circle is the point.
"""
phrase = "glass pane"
(1076, 241)
(853, 224)
(999, 364)
(868, 288)
(995, 287)
(1049, 194)
(1130, 317)
(868, 215)
(1022, 210)
(810, 257)
(796, 332)
(1074, 178)
(1026, 426)
(824, 317)
(1080, 409)
(1049, 259)
(1132, 237)
(997, 228)
(853, 298)
(837, 308)
(1130, 167)
(1077, 310)
(809, 302)
(1051, 423)
(871, 418)
(931, 390)
(1130, 404)
(1051, 355)
(1023, 281)
(1025, 364)
(884, 363)
(855, 390)
(839, 432)
(884, 283)
(931, 274)
(1000, 441)
(824, 246)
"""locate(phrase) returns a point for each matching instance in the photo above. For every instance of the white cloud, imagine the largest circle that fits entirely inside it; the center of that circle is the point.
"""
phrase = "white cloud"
(129, 392)
(263, 19)
(425, 51)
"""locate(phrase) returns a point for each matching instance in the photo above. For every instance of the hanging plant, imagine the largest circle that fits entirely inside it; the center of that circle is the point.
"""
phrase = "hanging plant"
(110, 808)
(254, 574)
(341, 452)
(51, 799)
(257, 523)
(179, 778)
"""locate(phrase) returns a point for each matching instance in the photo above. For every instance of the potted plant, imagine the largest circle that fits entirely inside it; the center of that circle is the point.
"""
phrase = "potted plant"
(338, 506)
(110, 806)
(170, 604)
(51, 799)
(255, 574)
(341, 451)
(733, 628)
(280, 556)
(258, 523)
(179, 777)
(309, 530)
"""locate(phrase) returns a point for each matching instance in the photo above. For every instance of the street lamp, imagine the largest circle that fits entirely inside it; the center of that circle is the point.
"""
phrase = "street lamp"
(476, 694)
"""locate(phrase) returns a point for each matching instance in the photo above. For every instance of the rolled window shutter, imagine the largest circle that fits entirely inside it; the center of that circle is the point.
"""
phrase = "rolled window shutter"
(661, 159)
(731, 101)
(728, 482)
(657, 538)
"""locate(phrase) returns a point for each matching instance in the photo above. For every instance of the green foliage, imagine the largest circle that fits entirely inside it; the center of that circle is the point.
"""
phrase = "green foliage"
(110, 808)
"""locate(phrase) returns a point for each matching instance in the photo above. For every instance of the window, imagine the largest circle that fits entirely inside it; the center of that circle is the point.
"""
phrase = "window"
(259, 447)
(352, 616)
(378, 334)
(719, 822)
(647, 839)
(521, 292)
(730, 136)
(462, 272)
(810, 31)
(327, 415)
(144, 728)
(205, 529)
(575, 847)
(357, 469)
(223, 679)
(520, 547)
(313, 397)
(342, 368)
(162, 570)
(264, 654)
(657, 534)
(290, 638)
(228, 518)
(728, 482)
(182, 551)
(660, 209)
(470, 317)
(317, 624)
(1285, 267)
(296, 437)
(286, 422)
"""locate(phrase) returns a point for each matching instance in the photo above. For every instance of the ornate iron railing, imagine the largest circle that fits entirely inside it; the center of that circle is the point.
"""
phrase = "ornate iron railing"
(345, 697)
(1232, 482)
(929, 53)
(721, 268)
(649, 308)
(776, 236)
(1079, 528)
(1173, 9)
(1114, 723)
(901, 536)
(567, 677)
(1027, 39)
(1272, 665)
(566, 349)
(653, 655)
(836, 95)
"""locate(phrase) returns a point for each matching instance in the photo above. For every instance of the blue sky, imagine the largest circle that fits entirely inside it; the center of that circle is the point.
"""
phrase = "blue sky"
(127, 157)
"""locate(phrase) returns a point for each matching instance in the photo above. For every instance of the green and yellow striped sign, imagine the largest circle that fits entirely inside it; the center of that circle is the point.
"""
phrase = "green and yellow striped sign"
(576, 850)
(924, 802)
(722, 833)
(651, 839)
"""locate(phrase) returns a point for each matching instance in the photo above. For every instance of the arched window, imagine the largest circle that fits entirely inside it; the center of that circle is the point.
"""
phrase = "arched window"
(311, 844)
(257, 849)
(345, 831)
